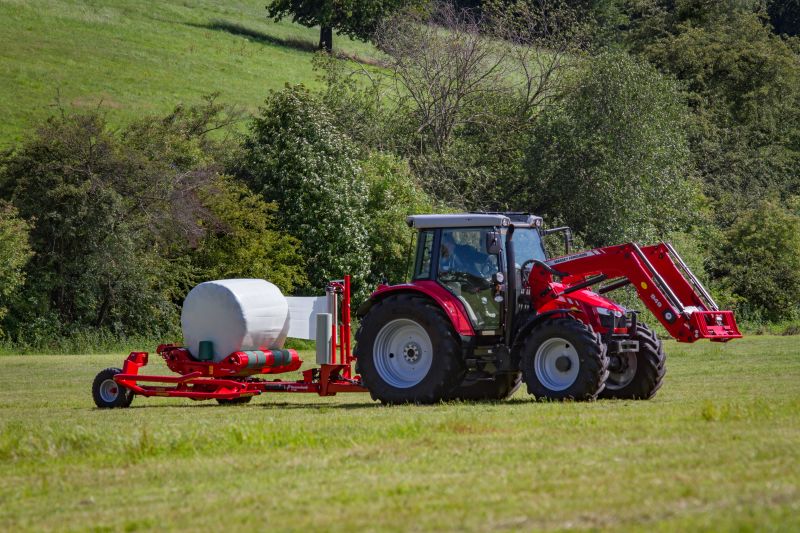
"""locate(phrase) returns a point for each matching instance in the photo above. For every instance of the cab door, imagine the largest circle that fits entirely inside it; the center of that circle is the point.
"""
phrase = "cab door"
(466, 270)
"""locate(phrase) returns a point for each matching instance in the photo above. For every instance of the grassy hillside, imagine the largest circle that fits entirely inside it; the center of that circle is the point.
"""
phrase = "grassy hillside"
(132, 57)
(718, 449)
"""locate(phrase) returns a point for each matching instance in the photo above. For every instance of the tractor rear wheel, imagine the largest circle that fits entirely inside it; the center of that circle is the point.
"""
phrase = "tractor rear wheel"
(407, 351)
(109, 394)
(564, 359)
(637, 375)
(500, 388)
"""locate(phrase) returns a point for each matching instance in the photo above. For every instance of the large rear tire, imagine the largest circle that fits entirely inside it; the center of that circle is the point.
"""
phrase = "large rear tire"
(563, 359)
(637, 375)
(500, 388)
(407, 351)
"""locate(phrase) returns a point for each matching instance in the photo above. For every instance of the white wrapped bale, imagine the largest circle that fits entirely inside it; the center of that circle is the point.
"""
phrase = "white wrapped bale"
(235, 314)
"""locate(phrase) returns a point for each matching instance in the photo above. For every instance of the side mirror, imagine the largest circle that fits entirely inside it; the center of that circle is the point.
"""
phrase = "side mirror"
(493, 243)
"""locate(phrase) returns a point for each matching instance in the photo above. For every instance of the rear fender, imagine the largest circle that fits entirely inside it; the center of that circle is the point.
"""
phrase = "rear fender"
(451, 306)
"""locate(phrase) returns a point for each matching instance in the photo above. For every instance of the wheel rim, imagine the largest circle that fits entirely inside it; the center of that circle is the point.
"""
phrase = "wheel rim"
(403, 353)
(622, 378)
(556, 363)
(109, 390)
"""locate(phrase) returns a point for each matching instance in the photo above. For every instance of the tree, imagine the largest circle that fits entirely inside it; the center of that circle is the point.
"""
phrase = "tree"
(466, 87)
(612, 160)
(743, 85)
(115, 216)
(785, 16)
(295, 157)
(393, 195)
(356, 18)
(15, 251)
(241, 241)
(759, 260)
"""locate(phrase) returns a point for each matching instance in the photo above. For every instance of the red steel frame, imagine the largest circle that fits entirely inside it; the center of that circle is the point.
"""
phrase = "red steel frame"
(683, 306)
(235, 376)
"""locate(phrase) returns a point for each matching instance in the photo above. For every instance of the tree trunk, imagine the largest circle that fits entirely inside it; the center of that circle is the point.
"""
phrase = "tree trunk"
(326, 38)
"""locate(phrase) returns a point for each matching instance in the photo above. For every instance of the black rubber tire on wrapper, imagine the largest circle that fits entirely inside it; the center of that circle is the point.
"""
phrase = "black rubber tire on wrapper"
(650, 369)
(107, 393)
(501, 388)
(235, 401)
(563, 359)
(412, 322)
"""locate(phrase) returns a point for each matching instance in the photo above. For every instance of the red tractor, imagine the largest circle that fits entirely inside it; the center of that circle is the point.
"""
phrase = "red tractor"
(487, 309)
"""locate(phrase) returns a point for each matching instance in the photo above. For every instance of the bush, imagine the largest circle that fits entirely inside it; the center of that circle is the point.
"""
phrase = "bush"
(612, 161)
(116, 216)
(743, 84)
(242, 242)
(393, 195)
(96, 265)
(295, 157)
(759, 261)
(15, 251)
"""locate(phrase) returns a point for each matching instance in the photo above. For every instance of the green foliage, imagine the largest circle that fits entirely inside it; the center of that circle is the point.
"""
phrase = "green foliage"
(356, 18)
(612, 161)
(759, 260)
(242, 242)
(94, 265)
(785, 16)
(743, 84)
(15, 251)
(296, 158)
(393, 195)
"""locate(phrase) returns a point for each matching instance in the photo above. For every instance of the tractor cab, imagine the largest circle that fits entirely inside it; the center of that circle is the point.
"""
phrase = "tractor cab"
(470, 256)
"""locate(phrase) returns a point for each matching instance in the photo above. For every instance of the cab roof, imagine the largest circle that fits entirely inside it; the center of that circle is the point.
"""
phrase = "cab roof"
(472, 220)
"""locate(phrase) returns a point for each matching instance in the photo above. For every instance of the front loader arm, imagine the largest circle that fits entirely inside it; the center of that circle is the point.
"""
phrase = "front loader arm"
(662, 280)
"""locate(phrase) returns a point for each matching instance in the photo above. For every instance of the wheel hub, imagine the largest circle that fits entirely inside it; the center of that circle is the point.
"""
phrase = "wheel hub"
(563, 364)
(411, 352)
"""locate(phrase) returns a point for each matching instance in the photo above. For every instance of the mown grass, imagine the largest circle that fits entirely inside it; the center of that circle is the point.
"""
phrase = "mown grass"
(128, 57)
(717, 449)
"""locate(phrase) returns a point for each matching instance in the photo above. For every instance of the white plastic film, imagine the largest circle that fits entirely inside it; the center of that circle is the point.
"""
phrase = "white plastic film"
(302, 315)
(235, 314)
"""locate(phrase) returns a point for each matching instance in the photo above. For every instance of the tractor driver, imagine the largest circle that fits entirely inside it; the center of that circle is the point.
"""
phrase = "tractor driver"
(467, 272)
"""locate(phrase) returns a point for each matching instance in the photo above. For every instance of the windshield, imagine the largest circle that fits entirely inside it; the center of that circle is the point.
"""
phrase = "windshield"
(527, 246)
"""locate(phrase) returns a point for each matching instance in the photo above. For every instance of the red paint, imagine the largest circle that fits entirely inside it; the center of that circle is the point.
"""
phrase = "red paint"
(450, 304)
(692, 321)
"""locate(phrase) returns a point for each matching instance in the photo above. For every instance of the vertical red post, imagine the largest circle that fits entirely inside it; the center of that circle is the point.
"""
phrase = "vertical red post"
(334, 320)
(346, 321)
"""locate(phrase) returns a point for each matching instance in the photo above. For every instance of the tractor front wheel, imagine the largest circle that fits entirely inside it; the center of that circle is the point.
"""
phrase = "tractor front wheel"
(637, 375)
(407, 351)
(107, 393)
(564, 359)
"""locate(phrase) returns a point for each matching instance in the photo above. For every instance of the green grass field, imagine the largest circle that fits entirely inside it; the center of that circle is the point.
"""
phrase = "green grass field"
(129, 57)
(717, 449)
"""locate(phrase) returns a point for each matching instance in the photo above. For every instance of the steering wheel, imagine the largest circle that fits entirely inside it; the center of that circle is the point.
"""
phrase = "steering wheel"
(525, 272)
(475, 283)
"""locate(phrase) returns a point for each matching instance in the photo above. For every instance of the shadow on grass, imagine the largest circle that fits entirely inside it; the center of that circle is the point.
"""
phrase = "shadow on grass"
(281, 405)
(255, 35)
(296, 43)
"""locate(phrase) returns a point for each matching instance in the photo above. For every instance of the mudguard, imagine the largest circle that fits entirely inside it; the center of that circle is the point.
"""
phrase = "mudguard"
(451, 305)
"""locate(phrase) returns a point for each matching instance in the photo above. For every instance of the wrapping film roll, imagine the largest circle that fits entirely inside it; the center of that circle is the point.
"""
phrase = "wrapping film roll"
(245, 314)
